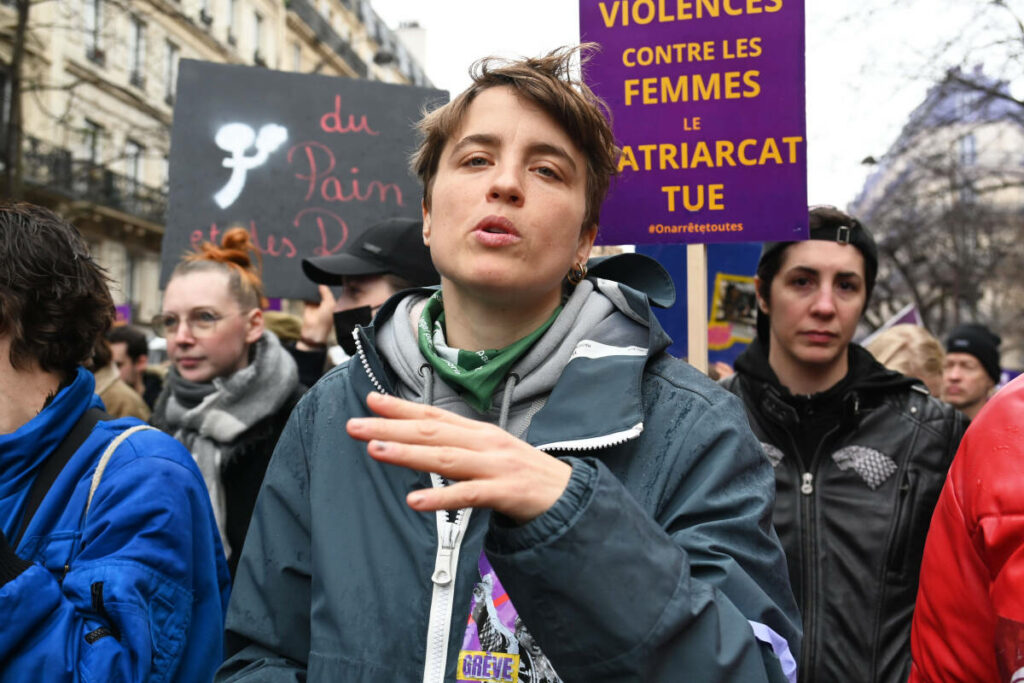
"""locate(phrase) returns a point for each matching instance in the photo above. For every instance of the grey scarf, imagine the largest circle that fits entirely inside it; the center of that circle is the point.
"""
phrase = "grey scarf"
(226, 408)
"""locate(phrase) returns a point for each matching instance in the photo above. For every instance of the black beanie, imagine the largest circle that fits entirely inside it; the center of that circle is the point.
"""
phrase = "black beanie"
(829, 224)
(980, 342)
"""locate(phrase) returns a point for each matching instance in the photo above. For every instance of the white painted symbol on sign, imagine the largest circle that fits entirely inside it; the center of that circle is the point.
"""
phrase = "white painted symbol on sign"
(237, 138)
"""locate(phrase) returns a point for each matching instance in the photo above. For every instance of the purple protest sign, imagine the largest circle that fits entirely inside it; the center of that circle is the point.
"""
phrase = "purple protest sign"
(123, 314)
(707, 99)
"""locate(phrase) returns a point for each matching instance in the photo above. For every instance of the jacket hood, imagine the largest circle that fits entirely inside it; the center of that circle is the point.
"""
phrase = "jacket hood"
(605, 335)
(23, 451)
(865, 374)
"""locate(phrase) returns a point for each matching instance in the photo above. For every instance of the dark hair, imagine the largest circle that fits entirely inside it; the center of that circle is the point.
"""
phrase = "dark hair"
(767, 268)
(548, 83)
(397, 282)
(54, 300)
(102, 355)
(232, 258)
(133, 339)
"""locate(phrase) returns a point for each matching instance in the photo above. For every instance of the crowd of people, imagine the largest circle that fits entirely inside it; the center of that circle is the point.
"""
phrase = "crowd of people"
(499, 474)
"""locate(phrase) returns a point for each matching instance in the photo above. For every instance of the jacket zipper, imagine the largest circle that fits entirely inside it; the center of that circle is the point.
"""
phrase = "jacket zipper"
(591, 444)
(450, 535)
(809, 537)
(595, 443)
(366, 363)
(446, 563)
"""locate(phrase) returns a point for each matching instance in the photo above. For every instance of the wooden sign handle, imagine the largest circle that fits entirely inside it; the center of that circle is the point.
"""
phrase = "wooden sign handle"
(697, 306)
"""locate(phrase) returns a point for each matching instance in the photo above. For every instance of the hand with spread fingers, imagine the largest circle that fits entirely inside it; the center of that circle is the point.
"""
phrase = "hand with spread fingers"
(489, 467)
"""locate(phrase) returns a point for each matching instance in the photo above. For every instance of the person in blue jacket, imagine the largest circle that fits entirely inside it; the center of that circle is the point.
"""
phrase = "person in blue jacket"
(512, 480)
(113, 570)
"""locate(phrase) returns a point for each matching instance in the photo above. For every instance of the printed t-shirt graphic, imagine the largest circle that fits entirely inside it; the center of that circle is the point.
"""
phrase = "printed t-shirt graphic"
(497, 648)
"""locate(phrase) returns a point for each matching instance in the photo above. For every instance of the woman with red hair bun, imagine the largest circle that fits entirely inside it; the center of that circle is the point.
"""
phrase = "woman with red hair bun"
(231, 385)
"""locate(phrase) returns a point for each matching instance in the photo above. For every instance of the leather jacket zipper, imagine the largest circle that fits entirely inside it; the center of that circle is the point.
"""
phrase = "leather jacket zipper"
(809, 543)
(805, 502)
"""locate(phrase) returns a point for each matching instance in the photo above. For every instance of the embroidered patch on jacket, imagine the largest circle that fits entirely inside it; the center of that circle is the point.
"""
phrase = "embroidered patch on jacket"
(773, 454)
(874, 467)
(497, 648)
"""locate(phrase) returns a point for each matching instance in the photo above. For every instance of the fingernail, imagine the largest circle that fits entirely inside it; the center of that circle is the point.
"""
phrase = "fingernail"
(380, 446)
(415, 498)
(357, 424)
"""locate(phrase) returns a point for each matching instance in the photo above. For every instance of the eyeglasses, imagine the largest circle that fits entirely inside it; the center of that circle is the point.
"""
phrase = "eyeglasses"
(201, 323)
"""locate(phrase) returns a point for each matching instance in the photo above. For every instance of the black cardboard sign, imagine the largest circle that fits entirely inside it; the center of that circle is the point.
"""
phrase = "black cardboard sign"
(304, 162)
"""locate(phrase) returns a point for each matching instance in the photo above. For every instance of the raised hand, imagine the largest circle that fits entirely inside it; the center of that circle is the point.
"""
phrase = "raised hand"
(490, 468)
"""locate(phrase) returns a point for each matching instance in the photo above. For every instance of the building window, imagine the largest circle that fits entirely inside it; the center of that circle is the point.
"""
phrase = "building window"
(92, 142)
(205, 12)
(232, 10)
(967, 148)
(5, 96)
(93, 15)
(257, 39)
(137, 53)
(133, 152)
(170, 71)
(130, 281)
(965, 103)
(205, 15)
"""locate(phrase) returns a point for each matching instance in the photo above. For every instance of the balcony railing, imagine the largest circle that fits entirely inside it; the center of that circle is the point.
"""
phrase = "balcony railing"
(326, 34)
(56, 170)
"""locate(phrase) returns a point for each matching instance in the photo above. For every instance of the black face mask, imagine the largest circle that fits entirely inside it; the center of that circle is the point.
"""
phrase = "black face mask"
(346, 321)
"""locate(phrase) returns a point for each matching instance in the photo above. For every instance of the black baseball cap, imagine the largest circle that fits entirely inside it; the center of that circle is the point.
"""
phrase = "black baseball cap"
(393, 246)
(829, 224)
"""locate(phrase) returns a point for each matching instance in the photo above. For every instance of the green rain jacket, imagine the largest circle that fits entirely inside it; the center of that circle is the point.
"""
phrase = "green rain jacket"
(658, 562)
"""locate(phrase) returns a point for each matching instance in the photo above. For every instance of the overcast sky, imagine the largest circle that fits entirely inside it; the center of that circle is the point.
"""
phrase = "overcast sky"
(863, 73)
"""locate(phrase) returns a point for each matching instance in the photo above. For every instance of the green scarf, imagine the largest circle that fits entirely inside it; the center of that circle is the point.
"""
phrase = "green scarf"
(473, 374)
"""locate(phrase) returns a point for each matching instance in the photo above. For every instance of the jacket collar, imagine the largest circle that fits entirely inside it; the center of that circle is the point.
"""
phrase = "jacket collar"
(596, 401)
(23, 451)
(866, 383)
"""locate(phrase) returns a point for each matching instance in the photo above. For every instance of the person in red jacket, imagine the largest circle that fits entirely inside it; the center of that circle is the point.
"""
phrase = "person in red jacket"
(969, 619)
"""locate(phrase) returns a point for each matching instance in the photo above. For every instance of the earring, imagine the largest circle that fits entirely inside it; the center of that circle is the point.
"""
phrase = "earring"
(577, 273)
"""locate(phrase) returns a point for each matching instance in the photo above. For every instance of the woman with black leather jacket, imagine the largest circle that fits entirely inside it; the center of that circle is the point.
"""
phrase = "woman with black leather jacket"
(860, 453)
